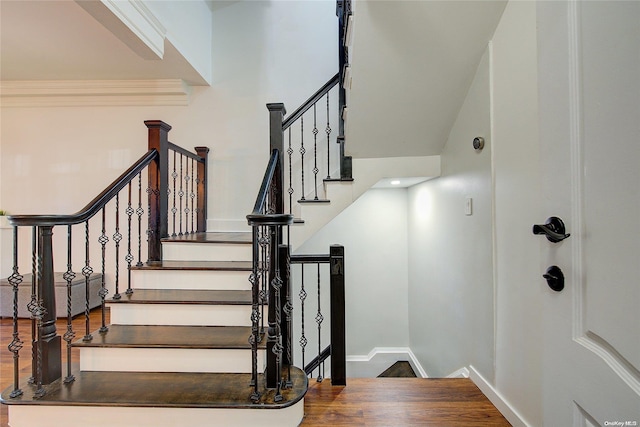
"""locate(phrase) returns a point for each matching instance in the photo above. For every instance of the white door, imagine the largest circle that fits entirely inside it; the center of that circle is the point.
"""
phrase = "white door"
(589, 87)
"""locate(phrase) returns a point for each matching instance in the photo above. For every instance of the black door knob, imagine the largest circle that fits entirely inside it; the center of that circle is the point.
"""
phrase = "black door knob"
(553, 229)
(555, 278)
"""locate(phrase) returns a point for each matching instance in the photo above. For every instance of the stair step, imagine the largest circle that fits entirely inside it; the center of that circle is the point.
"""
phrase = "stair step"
(160, 348)
(109, 399)
(213, 275)
(182, 307)
(208, 247)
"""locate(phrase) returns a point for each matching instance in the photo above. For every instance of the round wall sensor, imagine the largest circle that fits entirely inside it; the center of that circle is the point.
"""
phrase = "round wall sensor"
(478, 143)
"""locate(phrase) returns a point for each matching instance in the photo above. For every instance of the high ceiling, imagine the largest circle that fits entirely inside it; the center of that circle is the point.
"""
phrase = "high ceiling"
(59, 40)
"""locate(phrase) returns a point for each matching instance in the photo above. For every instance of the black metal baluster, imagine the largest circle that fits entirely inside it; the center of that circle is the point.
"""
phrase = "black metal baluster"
(254, 278)
(103, 239)
(38, 314)
(180, 194)
(117, 237)
(139, 212)
(315, 154)
(16, 343)
(303, 296)
(129, 256)
(192, 194)
(290, 190)
(86, 272)
(69, 335)
(186, 198)
(328, 132)
(302, 151)
(319, 319)
(33, 302)
(174, 175)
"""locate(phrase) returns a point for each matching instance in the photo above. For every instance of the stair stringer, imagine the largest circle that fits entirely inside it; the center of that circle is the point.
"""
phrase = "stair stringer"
(367, 172)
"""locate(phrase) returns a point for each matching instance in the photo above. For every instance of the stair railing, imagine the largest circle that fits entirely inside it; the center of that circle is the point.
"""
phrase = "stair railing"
(311, 157)
(121, 209)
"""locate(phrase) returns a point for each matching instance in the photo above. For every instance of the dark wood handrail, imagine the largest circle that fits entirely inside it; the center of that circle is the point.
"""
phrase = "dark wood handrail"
(185, 152)
(256, 217)
(309, 102)
(324, 355)
(93, 206)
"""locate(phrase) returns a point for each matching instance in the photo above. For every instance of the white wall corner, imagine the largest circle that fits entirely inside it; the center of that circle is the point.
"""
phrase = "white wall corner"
(72, 93)
(460, 373)
(379, 359)
(132, 22)
(497, 399)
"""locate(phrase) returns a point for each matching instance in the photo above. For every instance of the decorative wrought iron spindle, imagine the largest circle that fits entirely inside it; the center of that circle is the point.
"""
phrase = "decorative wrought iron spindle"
(117, 237)
(328, 132)
(38, 314)
(174, 175)
(186, 198)
(254, 278)
(86, 272)
(290, 189)
(139, 212)
(319, 319)
(303, 296)
(33, 302)
(16, 343)
(181, 195)
(69, 335)
(315, 154)
(192, 195)
(103, 240)
(302, 151)
(129, 256)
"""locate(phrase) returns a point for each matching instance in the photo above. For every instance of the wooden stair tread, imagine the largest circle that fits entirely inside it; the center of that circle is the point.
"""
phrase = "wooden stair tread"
(228, 237)
(160, 389)
(198, 266)
(314, 201)
(200, 337)
(186, 296)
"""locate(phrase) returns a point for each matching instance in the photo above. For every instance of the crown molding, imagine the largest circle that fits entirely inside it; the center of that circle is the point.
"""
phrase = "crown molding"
(73, 93)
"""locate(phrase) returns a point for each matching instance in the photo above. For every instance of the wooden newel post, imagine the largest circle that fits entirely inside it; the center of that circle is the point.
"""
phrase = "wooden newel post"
(286, 306)
(276, 142)
(338, 324)
(158, 185)
(49, 340)
(203, 152)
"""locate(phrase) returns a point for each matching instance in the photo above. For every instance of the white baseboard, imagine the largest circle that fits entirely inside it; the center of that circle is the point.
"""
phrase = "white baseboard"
(227, 225)
(496, 398)
(379, 359)
(460, 373)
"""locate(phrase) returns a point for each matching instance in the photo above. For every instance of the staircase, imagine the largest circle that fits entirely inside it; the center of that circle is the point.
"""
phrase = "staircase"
(176, 351)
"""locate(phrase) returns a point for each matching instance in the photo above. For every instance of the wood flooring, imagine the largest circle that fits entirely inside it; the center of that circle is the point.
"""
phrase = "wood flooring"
(363, 402)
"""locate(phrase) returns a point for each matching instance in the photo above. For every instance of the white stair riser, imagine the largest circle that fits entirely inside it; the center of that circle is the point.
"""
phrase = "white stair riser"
(106, 416)
(168, 360)
(180, 314)
(174, 251)
(176, 279)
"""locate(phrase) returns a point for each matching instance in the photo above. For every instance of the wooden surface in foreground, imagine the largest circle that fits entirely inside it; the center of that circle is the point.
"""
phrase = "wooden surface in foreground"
(399, 402)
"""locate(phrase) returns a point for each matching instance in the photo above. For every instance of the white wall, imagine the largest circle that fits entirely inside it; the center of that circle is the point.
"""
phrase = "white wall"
(451, 312)
(54, 160)
(373, 231)
(519, 306)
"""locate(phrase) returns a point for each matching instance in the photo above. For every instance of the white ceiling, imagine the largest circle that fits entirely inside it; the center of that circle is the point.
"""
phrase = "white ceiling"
(412, 65)
(59, 40)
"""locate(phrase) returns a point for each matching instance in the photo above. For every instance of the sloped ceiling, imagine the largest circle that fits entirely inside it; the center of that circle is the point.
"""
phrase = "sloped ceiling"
(59, 40)
(412, 64)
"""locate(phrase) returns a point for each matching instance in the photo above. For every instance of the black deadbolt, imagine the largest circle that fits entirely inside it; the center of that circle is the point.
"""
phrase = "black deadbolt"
(555, 278)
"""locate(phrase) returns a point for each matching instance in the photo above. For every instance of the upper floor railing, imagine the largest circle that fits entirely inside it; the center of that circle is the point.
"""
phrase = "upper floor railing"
(106, 235)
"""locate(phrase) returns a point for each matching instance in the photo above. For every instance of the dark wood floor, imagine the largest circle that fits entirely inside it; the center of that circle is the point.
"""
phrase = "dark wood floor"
(364, 402)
